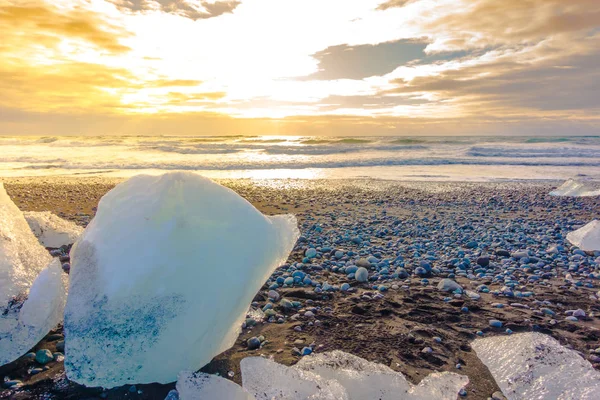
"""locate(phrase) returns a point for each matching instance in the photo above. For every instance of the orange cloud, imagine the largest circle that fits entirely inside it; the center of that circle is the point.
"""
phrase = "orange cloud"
(47, 25)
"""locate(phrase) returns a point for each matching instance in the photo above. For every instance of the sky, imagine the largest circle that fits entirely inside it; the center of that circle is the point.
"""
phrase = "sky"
(300, 67)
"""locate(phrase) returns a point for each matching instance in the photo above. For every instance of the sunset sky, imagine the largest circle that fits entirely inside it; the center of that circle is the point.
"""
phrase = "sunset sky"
(330, 67)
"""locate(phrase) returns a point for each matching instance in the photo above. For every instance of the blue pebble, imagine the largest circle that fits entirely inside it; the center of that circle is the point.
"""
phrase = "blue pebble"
(494, 323)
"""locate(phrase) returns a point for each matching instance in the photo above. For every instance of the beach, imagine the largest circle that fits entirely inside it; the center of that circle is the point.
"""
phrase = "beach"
(401, 319)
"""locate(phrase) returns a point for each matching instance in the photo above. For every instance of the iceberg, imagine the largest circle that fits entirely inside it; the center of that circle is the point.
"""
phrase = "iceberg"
(51, 230)
(32, 288)
(162, 277)
(529, 366)
(573, 188)
(334, 375)
(587, 238)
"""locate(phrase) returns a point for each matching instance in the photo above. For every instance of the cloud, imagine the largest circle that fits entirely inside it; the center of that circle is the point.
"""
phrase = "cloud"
(535, 79)
(393, 3)
(200, 9)
(387, 67)
(482, 23)
(48, 26)
(357, 62)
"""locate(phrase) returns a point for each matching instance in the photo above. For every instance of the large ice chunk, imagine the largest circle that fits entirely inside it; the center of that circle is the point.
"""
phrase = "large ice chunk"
(27, 312)
(534, 366)
(573, 188)
(587, 237)
(31, 320)
(162, 277)
(268, 380)
(339, 375)
(51, 230)
(200, 386)
(367, 380)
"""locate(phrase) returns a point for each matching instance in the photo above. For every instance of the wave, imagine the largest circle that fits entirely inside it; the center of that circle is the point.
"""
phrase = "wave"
(330, 150)
(548, 140)
(546, 152)
(249, 165)
(408, 141)
(46, 139)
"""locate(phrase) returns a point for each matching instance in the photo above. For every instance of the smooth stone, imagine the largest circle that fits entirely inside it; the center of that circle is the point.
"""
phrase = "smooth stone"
(361, 274)
(44, 356)
(253, 343)
(448, 285)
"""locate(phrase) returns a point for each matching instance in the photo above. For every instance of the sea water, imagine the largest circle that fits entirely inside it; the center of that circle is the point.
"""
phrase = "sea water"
(398, 158)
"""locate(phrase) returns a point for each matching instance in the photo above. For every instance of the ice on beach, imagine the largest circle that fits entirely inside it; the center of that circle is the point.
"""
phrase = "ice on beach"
(341, 376)
(51, 230)
(530, 366)
(32, 293)
(162, 277)
(587, 238)
(363, 379)
(41, 311)
(268, 380)
(200, 386)
(573, 188)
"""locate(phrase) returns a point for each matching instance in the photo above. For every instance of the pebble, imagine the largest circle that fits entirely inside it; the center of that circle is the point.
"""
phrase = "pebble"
(44, 356)
(253, 343)
(494, 323)
(361, 275)
(448, 285)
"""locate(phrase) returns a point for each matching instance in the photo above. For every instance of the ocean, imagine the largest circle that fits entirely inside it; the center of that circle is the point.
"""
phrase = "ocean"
(431, 158)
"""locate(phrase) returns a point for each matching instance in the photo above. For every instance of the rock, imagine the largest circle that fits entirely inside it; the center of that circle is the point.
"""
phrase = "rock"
(273, 295)
(363, 263)
(484, 261)
(60, 346)
(520, 254)
(448, 285)
(472, 244)
(579, 313)
(253, 343)
(14, 383)
(361, 275)
(502, 253)
(44, 356)
(311, 253)
(494, 323)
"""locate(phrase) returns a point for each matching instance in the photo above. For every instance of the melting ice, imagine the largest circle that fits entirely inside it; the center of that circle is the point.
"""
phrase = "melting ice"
(162, 278)
(32, 291)
(328, 376)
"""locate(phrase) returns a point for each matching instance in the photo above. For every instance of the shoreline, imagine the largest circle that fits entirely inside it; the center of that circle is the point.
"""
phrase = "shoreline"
(421, 219)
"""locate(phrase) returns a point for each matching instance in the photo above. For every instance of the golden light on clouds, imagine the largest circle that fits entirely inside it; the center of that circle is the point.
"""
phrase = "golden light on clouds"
(299, 66)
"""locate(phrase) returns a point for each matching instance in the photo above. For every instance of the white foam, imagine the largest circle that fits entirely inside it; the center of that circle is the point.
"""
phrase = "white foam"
(534, 366)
